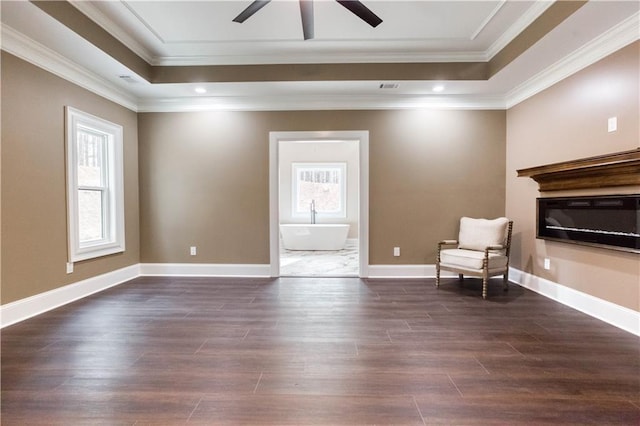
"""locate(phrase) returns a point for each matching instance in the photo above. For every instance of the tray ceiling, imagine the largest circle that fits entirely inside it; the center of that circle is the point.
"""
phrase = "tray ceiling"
(203, 31)
(151, 55)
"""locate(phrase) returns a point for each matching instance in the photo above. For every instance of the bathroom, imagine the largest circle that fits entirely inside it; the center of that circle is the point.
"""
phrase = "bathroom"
(318, 211)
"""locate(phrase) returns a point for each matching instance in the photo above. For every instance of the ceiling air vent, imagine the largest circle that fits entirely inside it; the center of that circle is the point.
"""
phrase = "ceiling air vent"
(389, 85)
(127, 78)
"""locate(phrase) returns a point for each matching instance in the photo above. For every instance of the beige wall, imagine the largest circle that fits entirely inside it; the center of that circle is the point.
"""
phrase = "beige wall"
(204, 179)
(309, 152)
(34, 218)
(565, 122)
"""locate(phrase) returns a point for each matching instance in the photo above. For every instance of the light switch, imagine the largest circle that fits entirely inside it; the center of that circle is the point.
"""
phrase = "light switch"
(612, 124)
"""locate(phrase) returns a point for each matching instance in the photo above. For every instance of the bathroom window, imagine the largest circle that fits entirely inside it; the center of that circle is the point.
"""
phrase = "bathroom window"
(325, 184)
(94, 186)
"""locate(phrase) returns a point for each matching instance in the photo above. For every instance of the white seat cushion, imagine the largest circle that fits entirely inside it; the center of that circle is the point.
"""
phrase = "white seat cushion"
(471, 259)
(477, 234)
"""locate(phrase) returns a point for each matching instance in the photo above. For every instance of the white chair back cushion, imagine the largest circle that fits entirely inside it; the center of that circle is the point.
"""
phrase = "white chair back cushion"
(477, 234)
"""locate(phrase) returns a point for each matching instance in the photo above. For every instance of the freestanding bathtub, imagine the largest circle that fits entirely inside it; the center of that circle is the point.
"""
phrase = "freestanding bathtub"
(317, 236)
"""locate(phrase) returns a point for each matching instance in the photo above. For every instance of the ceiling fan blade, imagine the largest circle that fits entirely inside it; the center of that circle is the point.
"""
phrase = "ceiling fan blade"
(306, 13)
(250, 10)
(361, 11)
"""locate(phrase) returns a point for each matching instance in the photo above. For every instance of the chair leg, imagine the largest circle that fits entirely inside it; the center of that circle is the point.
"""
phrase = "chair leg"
(437, 275)
(505, 281)
(460, 277)
(485, 279)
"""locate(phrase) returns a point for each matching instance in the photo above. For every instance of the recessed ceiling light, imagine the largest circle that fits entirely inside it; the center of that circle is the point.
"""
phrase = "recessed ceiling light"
(200, 90)
(438, 88)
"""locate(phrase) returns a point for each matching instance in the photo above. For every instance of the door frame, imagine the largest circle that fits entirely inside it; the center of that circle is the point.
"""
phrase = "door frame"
(361, 137)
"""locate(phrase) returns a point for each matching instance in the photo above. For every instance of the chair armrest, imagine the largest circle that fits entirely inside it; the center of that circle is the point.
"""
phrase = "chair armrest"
(443, 243)
(491, 248)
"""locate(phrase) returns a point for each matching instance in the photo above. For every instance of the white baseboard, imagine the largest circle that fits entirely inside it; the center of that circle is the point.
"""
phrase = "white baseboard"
(406, 271)
(619, 316)
(205, 270)
(11, 313)
(22, 309)
(616, 315)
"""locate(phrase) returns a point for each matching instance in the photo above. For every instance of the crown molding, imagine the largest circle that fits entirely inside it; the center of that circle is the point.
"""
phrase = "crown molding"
(614, 39)
(488, 19)
(35, 53)
(333, 102)
(533, 13)
(353, 56)
(112, 28)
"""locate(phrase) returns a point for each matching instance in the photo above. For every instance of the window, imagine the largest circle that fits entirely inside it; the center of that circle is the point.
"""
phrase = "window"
(94, 185)
(322, 183)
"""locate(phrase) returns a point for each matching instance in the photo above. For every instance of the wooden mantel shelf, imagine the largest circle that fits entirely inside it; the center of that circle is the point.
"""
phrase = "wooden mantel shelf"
(618, 169)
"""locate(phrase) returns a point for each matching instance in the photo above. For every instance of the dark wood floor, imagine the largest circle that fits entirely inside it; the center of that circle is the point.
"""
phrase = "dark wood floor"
(317, 351)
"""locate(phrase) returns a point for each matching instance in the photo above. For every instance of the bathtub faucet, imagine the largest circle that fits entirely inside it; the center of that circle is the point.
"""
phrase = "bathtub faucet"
(312, 207)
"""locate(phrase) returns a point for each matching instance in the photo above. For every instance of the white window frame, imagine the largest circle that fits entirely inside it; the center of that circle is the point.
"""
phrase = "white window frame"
(113, 240)
(295, 167)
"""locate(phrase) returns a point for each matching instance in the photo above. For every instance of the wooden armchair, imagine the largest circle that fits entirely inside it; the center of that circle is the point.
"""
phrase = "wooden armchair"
(482, 250)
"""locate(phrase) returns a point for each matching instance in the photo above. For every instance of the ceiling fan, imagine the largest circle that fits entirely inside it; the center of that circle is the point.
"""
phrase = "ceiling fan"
(306, 12)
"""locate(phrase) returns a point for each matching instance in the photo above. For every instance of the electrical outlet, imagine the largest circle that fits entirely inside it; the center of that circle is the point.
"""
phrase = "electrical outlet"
(547, 263)
(396, 251)
(193, 250)
(612, 124)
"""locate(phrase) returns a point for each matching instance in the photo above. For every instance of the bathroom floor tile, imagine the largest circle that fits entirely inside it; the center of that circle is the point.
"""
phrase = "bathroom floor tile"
(320, 263)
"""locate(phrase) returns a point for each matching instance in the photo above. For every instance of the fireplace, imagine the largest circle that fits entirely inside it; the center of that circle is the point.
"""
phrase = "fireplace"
(611, 221)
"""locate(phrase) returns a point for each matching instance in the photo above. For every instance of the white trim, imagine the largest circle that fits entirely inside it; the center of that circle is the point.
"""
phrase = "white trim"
(406, 271)
(41, 56)
(323, 103)
(607, 43)
(23, 309)
(113, 195)
(362, 138)
(20, 310)
(616, 315)
(363, 203)
(411, 54)
(527, 18)
(274, 206)
(107, 24)
(204, 270)
(488, 19)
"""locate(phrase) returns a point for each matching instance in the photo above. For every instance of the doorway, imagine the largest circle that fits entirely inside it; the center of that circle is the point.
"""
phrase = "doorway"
(283, 204)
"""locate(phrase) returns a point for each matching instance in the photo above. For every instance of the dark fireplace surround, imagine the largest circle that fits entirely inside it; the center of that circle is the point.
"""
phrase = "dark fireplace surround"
(605, 221)
(608, 221)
